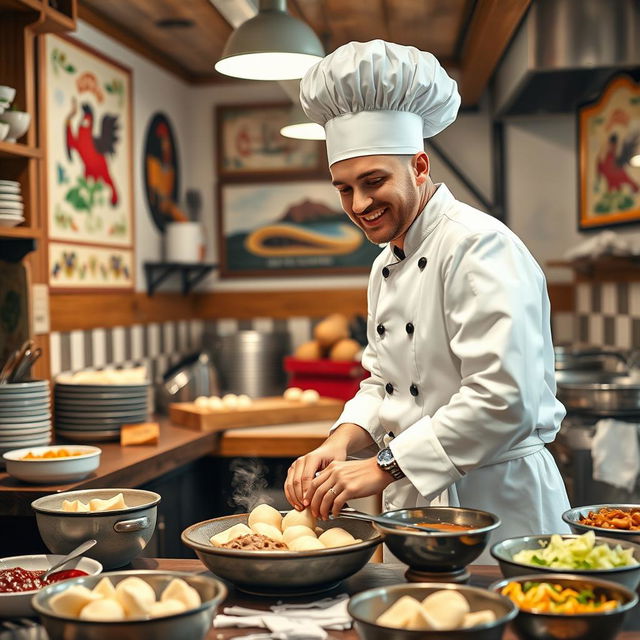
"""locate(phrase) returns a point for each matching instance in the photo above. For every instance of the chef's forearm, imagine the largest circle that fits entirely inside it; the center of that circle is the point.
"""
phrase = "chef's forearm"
(352, 437)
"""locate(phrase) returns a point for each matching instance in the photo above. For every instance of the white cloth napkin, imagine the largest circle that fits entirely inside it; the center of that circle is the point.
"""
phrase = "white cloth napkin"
(291, 621)
(606, 243)
(615, 453)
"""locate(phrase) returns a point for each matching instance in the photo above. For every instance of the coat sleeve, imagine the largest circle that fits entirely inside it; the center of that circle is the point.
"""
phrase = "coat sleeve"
(364, 408)
(493, 295)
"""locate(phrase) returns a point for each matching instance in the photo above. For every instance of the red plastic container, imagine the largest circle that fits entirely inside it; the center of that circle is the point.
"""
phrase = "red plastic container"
(331, 379)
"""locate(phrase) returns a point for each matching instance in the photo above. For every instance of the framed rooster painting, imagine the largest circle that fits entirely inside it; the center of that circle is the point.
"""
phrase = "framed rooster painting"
(89, 168)
(609, 156)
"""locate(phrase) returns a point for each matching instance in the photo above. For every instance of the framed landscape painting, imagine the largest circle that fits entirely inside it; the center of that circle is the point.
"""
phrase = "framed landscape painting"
(250, 145)
(288, 228)
(609, 156)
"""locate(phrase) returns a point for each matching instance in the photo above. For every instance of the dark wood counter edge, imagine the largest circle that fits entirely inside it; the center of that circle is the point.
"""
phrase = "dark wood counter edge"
(119, 467)
(372, 575)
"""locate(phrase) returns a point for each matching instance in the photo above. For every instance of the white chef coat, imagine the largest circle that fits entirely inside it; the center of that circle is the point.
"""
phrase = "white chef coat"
(462, 371)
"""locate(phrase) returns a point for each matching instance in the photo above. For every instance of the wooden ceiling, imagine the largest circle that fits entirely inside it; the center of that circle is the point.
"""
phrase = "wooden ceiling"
(467, 36)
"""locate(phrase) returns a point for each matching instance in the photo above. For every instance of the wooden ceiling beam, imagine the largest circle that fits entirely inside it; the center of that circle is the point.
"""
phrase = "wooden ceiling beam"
(493, 25)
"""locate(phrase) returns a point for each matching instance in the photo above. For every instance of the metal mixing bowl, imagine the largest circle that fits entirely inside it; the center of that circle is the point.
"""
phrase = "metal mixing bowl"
(282, 572)
(189, 625)
(572, 517)
(121, 534)
(584, 626)
(365, 608)
(439, 550)
(504, 551)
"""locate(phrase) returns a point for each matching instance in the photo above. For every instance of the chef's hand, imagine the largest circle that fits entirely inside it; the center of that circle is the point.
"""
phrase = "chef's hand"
(340, 481)
(304, 469)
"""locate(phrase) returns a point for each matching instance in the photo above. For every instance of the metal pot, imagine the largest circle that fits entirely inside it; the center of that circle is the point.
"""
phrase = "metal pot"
(569, 357)
(121, 534)
(617, 396)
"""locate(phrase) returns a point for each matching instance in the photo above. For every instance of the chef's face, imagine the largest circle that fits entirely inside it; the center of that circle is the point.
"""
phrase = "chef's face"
(382, 194)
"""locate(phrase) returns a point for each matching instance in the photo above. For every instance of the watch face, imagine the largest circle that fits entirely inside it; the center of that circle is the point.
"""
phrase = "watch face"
(385, 456)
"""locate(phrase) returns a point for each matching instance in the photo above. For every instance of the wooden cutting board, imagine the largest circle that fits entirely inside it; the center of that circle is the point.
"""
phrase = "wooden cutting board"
(263, 411)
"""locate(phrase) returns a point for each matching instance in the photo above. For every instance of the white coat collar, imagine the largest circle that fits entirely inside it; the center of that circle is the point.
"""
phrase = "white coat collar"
(428, 218)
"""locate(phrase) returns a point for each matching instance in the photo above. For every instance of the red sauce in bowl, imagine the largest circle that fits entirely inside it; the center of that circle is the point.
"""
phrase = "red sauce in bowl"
(17, 579)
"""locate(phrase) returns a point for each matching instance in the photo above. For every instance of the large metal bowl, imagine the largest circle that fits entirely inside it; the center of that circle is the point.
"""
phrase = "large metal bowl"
(572, 517)
(282, 572)
(504, 551)
(439, 551)
(121, 534)
(192, 624)
(585, 626)
(619, 396)
(365, 608)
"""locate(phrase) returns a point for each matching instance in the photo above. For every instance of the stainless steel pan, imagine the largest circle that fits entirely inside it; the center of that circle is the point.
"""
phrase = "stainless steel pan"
(616, 396)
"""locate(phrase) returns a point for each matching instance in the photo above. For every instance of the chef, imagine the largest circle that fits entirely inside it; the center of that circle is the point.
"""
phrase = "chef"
(460, 401)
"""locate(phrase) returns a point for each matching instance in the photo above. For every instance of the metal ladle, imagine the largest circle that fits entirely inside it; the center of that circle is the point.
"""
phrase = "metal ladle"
(387, 522)
(78, 551)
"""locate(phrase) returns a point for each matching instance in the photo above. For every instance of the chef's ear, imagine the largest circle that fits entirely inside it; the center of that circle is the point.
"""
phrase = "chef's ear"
(420, 165)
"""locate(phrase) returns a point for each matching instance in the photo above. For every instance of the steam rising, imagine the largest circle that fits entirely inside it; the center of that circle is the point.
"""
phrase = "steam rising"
(249, 484)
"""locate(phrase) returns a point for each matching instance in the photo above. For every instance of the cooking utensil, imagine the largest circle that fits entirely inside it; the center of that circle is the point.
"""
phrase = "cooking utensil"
(78, 551)
(587, 358)
(18, 357)
(7, 368)
(23, 368)
(387, 522)
(618, 398)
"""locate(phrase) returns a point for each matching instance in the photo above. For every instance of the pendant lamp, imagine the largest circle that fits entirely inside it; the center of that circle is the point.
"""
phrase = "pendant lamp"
(301, 128)
(273, 45)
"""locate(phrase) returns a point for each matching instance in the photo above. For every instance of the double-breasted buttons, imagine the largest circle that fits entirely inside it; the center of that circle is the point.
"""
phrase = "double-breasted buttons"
(380, 329)
(413, 390)
(385, 272)
(409, 328)
(422, 263)
(388, 388)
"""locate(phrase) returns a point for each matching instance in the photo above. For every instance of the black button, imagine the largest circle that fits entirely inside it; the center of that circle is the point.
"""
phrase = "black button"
(409, 328)
(385, 272)
(388, 388)
(413, 390)
(422, 263)
(380, 329)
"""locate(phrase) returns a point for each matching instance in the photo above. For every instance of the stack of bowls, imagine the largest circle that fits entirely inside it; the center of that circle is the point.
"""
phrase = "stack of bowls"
(11, 206)
(96, 412)
(25, 415)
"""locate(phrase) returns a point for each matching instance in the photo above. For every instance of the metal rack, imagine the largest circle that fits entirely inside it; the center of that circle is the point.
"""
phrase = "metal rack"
(190, 274)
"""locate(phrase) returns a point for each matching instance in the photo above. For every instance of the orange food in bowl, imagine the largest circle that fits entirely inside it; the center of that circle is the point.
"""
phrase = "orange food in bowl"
(53, 453)
(612, 518)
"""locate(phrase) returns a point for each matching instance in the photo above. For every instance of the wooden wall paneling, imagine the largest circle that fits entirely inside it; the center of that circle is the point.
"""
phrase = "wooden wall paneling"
(355, 20)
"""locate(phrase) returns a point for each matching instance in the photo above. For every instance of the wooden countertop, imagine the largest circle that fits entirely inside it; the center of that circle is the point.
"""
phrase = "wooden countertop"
(372, 575)
(135, 465)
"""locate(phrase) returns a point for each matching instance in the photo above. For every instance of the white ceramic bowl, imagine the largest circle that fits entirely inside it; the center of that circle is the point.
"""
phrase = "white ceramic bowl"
(4, 129)
(18, 121)
(7, 93)
(52, 470)
(18, 605)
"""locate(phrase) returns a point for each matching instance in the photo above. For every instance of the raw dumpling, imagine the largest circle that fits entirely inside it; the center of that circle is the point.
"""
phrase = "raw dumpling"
(447, 608)
(136, 596)
(476, 618)
(105, 609)
(117, 502)
(292, 393)
(179, 590)
(244, 401)
(105, 589)
(167, 607)
(229, 534)
(336, 537)
(305, 543)
(294, 517)
(297, 531)
(71, 601)
(215, 403)
(267, 514)
(201, 402)
(230, 401)
(404, 613)
(74, 505)
(268, 530)
(310, 396)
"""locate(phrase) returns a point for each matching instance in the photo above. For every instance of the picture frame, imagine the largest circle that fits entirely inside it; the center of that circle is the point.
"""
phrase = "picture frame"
(608, 141)
(89, 198)
(250, 145)
(297, 227)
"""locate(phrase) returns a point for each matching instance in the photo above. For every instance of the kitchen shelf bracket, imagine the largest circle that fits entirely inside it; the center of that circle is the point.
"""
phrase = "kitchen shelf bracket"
(13, 249)
(190, 274)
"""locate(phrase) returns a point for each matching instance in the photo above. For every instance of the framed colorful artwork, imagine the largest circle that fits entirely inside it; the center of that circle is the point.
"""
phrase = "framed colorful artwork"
(288, 228)
(609, 156)
(89, 151)
(250, 145)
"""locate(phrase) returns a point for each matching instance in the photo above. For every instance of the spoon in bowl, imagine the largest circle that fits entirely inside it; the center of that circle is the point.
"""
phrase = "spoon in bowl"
(387, 522)
(78, 551)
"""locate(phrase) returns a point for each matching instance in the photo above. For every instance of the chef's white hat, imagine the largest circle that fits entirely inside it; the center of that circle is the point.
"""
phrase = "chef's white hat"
(378, 98)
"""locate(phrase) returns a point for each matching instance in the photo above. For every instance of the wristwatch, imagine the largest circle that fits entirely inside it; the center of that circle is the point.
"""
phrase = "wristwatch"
(388, 463)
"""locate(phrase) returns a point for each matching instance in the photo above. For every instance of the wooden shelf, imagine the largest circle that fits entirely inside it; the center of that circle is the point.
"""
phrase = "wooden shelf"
(603, 269)
(17, 150)
(21, 5)
(54, 21)
(19, 232)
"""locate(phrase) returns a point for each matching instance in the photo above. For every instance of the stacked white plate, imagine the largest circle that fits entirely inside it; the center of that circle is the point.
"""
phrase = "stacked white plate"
(95, 412)
(25, 415)
(11, 206)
